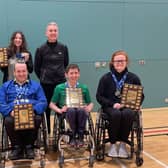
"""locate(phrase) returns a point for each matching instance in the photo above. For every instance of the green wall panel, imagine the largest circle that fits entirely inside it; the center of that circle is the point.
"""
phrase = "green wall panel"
(93, 30)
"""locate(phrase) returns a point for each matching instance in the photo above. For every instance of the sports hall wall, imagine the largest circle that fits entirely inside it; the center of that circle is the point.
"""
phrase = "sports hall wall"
(92, 30)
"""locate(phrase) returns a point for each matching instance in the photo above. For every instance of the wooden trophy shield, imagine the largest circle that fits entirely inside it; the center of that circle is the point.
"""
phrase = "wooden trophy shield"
(24, 117)
(3, 57)
(132, 96)
(74, 97)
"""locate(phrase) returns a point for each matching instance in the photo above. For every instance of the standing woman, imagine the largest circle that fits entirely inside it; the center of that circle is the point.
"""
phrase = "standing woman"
(51, 60)
(17, 49)
(109, 97)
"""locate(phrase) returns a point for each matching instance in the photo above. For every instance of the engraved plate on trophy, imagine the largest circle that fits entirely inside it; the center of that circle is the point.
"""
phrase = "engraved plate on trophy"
(3, 57)
(24, 116)
(74, 97)
(131, 96)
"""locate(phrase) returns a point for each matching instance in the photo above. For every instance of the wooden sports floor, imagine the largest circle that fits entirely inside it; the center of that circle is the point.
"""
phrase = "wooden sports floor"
(155, 154)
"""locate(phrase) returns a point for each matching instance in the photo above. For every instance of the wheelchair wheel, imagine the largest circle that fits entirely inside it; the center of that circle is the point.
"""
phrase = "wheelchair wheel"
(5, 146)
(100, 131)
(56, 133)
(2, 165)
(91, 161)
(139, 161)
(99, 155)
(91, 127)
(45, 133)
(61, 161)
(42, 163)
(139, 135)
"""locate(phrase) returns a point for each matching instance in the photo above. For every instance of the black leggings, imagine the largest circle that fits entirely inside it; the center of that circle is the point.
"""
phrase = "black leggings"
(22, 137)
(48, 90)
(120, 123)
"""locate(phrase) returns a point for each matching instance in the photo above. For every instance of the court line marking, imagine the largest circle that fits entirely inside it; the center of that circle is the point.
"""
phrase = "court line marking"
(120, 163)
(155, 159)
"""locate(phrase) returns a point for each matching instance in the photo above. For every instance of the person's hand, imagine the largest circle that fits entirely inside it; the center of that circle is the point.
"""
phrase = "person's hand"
(117, 106)
(64, 109)
(12, 113)
(87, 108)
(26, 56)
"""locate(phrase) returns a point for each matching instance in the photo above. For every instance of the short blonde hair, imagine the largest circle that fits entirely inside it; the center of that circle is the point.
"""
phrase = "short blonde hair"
(52, 23)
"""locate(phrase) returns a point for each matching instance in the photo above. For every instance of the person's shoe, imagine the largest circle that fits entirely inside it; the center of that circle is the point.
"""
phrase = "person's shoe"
(16, 153)
(122, 153)
(113, 151)
(80, 143)
(72, 142)
(30, 152)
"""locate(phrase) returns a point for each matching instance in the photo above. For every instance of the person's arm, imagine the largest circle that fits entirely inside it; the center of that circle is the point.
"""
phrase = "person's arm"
(37, 62)
(66, 59)
(55, 108)
(54, 104)
(89, 105)
(29, 63)
(102, 100)
(38, 100)
(137, 81)
(5, 107)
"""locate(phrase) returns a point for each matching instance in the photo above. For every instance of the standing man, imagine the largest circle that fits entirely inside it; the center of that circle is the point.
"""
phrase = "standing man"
(51, 59)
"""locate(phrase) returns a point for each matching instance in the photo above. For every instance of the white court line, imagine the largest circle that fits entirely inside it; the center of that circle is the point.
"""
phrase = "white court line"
(156, 160)
(120, 163)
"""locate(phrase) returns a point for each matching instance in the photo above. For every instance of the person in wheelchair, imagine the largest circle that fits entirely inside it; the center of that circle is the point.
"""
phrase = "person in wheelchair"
(76, 117)
(21, 90)
(109, 97)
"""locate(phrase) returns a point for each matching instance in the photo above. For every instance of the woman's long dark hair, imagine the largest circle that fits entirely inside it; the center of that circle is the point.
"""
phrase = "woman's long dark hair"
(12, 49)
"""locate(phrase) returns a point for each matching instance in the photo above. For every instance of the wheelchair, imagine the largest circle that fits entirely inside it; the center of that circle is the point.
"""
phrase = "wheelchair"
(40, 146)
(62, 135)
(135, 140)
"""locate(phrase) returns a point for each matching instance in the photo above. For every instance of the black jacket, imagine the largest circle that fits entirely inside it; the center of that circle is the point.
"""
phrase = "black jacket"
(106, 88)
(51, 59)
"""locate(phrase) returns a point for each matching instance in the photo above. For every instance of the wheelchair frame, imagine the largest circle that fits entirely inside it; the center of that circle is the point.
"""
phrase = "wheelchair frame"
(136, 132)
(41, 144)
(62, 135)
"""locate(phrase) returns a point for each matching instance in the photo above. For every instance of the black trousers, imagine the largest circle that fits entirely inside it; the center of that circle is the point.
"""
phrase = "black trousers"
(48, 90)
(120, 123)
(77, 120)
(22, 137)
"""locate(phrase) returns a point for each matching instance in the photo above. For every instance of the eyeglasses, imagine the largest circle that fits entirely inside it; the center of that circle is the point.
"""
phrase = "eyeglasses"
(119, 61)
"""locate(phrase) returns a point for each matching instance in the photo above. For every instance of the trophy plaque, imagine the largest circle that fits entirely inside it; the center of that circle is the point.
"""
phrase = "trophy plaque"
(3, 57)
(74, 97)
(24, 117)
(131, 96)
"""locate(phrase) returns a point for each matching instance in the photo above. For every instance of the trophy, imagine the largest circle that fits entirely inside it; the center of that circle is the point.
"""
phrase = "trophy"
(131, 96)
(3, 57)
(23, 117)
(74, 97)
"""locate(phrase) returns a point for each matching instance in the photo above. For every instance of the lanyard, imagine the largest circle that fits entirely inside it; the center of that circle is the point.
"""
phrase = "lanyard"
(120, 83)
(21, 93)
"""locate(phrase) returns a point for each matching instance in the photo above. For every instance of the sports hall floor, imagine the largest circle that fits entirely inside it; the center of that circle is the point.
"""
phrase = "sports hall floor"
(155, 154)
